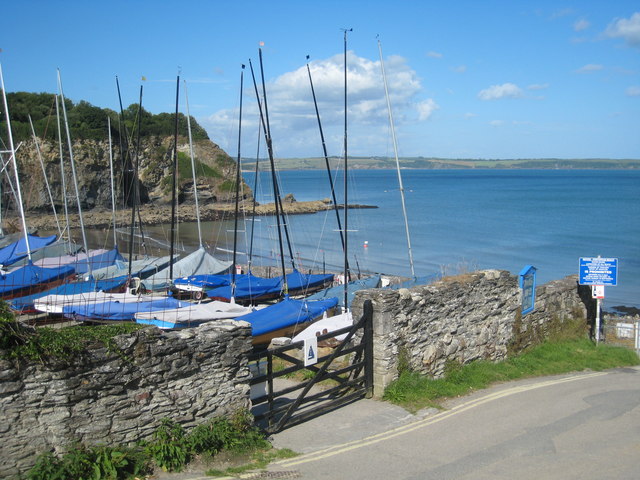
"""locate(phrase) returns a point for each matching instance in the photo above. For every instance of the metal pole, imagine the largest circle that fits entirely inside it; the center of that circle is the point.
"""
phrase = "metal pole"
(15, 165)
(113, 193)
(75, 177)
(346, 157)
(193, 165)
(395, 150)
(44, 174)
(173, 183)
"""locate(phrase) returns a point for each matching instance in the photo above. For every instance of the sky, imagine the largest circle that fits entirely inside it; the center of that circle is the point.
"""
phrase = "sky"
(467, 79)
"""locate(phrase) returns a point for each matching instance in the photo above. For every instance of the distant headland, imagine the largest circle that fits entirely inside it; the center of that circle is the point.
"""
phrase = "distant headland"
(448, 163)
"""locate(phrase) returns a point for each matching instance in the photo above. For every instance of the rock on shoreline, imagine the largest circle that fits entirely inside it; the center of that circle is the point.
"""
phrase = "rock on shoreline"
(154, 215)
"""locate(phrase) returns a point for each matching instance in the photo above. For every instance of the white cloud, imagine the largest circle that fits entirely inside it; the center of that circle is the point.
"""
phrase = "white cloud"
(581, 24)
(633, 91)
(495, 92)
(469, 115)
(496, 123)
(590, 67)
(627, 29)
(426, 109)
(292, 114)
(433, 54)
(460, 69)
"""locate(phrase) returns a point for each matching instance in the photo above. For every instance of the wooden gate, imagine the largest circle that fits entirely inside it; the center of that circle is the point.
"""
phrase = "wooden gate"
(342, 375)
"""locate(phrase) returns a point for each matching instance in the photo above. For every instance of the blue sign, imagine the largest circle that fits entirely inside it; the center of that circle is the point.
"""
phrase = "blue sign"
(528, 286)
(598, 271)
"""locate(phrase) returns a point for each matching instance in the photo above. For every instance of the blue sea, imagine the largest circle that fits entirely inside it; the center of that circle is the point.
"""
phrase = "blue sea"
(461, 220)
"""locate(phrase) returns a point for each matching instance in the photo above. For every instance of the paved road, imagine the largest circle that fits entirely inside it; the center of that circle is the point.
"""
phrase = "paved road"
(583, 426)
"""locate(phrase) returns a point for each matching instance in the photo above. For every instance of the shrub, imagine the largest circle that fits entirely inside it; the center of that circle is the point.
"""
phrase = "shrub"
(95, 463)
(170, 448)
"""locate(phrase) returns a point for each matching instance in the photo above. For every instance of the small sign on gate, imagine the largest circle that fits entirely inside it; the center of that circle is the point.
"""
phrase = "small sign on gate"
(310, 351)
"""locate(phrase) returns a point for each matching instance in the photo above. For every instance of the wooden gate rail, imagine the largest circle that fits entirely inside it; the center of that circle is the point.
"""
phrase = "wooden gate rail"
(354, 380)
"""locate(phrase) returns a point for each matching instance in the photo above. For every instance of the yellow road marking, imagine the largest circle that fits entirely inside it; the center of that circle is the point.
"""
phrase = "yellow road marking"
(389, 434)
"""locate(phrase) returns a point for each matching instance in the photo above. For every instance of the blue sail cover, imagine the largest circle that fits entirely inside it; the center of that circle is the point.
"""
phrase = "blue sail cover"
(286, 313)
(98, 261)
(30, 277)
(352, 287)
(205, 282)
(249, 287)
(120, 311)
(18, 250)
(55, 249)
(303, 282)
(25, 304)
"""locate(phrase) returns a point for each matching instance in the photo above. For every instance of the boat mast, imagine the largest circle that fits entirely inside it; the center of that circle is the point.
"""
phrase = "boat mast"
(44, 174)
(255, 189)
(278, 198)
(75, 177)
(193, 165)
(113, 195)
(346, 234)
(235, 222)
(326, 159)
(64, 180)
(125, 151)
(134, 184)
(12, 152)
(395, 150)
(173, 183)
(267, 136)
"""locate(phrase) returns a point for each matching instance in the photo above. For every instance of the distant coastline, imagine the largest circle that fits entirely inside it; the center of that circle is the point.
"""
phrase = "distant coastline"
(444, 163)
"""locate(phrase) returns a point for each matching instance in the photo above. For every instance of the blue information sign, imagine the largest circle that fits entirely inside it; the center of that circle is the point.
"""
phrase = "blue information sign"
(598, 271)
(528, 287)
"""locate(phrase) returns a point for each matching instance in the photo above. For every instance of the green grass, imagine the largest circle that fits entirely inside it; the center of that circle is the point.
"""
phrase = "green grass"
(414, 391)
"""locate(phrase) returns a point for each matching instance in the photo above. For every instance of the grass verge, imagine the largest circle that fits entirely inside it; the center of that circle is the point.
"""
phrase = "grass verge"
(415, 391)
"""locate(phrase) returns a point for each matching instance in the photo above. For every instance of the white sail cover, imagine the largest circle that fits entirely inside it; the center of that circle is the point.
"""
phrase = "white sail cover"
(326, 325)
(197, 263)
(192, 315)
(138, 267)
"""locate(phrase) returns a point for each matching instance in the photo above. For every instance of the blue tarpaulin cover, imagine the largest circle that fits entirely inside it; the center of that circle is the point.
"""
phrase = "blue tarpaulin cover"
(286, 313)
(30, 276)
(120, 311)
(18, 250)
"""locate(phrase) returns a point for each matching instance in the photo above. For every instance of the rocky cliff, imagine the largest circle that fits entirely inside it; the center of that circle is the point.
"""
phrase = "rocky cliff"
(215, 173)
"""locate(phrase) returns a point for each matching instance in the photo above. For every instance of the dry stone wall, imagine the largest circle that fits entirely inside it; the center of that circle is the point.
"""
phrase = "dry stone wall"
(461, 319)
(121, 397)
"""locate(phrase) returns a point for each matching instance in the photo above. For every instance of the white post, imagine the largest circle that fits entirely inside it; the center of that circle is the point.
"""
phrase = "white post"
(597, 321)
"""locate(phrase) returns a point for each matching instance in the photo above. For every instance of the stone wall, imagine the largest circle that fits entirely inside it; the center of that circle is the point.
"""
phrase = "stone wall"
(463, 318)
(118, 398)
